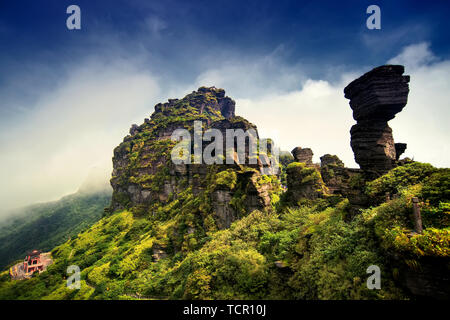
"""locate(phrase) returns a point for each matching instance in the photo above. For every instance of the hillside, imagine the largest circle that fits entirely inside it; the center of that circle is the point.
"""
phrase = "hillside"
(231, 230)
(309, 252)
(46, 225)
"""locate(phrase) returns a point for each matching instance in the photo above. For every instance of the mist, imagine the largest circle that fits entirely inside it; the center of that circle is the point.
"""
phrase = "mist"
(51, 143)
(49, 150)
(315, 114)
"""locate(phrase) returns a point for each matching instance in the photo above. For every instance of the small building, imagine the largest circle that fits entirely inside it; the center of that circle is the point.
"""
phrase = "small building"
(34, 261)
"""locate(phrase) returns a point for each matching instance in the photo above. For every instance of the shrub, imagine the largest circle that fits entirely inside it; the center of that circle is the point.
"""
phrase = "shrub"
(227, 178)
(399, 178)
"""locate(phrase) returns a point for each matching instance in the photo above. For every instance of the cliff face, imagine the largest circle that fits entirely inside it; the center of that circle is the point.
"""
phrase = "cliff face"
(145, 177)
(310, 245)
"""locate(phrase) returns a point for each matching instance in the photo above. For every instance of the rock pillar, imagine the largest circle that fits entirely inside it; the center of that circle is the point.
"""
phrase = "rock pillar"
(375, 98)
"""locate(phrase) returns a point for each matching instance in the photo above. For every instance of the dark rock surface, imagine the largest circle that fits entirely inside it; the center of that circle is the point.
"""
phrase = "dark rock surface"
(304, 182)
(430, 279)
(375, 98)
(379, 94)
(373, 145)
(303, 155)
(334, 174)
(399, 150)
(145, 177)
(329, 159)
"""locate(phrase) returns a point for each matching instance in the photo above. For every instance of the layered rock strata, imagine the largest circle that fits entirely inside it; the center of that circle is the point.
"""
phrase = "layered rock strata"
(303, 155)
(145, 177)
(375, 98)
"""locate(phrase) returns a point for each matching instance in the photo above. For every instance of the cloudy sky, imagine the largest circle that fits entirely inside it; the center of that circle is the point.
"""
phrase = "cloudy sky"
(68, 97)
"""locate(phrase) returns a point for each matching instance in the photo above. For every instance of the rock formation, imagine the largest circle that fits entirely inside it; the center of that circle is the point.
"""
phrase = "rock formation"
(145, 178)
(399, 149)
(303, 178)
(334, 173)
(304, 182)
(303, 155)
(375, 98)
(329, 159)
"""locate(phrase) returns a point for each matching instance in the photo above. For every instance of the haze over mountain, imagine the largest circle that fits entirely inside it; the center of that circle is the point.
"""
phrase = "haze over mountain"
(44, 225)
(229, 231)
(68, 97)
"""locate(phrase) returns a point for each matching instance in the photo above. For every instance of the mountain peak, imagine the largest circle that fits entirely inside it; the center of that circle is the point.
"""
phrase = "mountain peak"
(208, 101)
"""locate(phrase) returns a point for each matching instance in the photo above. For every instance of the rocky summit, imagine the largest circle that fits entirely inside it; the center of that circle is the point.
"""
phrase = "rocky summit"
(145, 178)
(303, 155)
(236, 230)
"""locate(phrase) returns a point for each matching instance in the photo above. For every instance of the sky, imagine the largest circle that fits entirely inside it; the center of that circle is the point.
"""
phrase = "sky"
(68, 97)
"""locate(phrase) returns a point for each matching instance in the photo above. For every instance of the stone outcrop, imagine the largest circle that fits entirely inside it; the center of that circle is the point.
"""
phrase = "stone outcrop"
(144, 176)
(303, 177)
(345, 182)
(373, 146)
(375, 98)
(158, 253)
(206, 100)
(429, 279)
(399, 150)
(304, 182)
(334, 173)
(303, 155)
(329, 159)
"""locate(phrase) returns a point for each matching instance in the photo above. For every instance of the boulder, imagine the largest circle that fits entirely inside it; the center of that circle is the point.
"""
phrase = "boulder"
(329, 159)
(379, 94)
(303, 155)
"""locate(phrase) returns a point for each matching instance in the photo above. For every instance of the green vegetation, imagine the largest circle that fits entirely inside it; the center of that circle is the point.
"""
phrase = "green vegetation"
(44, 226)
(295, 165)
(227, 178)
(285, 159)
(167, 234)
(322, 256)
(401, 177)
(303, 183)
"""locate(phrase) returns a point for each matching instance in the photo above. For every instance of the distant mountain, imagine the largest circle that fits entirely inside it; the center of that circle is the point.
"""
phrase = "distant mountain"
(46, 225)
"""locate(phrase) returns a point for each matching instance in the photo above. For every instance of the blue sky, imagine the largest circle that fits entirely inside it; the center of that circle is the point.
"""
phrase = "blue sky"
(68, 97)
(317, 35)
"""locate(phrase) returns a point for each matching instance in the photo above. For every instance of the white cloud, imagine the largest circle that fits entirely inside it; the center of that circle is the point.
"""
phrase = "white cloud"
(387, 38)
(317, 115)
(414, 56)
(287, 106)
(251, 77)
(75, 126)
(423, 123)
(155, 25)
(72, 129)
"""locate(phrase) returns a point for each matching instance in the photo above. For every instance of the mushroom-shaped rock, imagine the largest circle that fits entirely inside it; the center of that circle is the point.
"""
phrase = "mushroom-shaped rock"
(375, 98)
